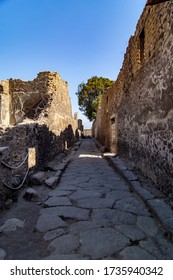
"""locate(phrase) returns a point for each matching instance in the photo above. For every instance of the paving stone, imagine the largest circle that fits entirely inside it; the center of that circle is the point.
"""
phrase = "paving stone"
(165, 246)
(60, 157)
(97, 182)
(52, 165)
(83, 226)
(53, 234)
(51, 182)
(130, 175)
(136, 253)
(68, 187)
(113, 178)
(81, 194)
(99, 243)
(67, 212)
(147, 225)
(64, 244)
(12, 225)
(58, 174)
(38, 178)
(48, 221)
(2, 254)
(164, 213)
(107, 217)
(152, 247)
(121, 166)
(141, 191)
(58, 192)
(57, 201)
(66, 257)
(94, 188)
(96, 203)
(118, 185)
(132, 205)
(133, 233)
(32, 195)
(117, 195)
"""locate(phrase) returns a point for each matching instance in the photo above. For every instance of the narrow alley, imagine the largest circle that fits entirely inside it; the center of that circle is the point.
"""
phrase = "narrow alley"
(90, 214)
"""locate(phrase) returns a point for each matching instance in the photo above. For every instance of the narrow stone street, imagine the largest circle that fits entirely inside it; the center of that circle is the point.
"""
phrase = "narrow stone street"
(91, 214)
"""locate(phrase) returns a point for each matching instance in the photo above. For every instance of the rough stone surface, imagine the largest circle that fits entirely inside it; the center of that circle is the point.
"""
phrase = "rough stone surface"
(57, 201)
(147, 225)
(68, 187)
(132, 205)
(130, 175)
(38, 178)
(2, 254)
(117, 195)
(165, 246)
(136, 253)
(107, 217)
(66, 257)
(152, 247)
(118, 185)
(64, 244)
(67, 212)
(138, 105)
(143, 193)
(53, 234)
(52, 165)
(11, 225)
(58, 192)
(163, 212)
(98, 243)
(49, 221)
(72, 232)
(32, 195)
(37, 119)
(51, 182)
(80, 226)
(81, 194)
(132, 232)
(95, 203)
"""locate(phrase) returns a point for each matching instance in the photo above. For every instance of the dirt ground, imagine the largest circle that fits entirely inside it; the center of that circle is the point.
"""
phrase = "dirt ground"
(24, 243)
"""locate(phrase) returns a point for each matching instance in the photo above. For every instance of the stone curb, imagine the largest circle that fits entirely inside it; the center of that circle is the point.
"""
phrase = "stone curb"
(61, 166)
(158, 207)
(52, 181)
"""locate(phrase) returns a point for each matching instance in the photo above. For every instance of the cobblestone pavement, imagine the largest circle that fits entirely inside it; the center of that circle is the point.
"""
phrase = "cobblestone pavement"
(93, 214)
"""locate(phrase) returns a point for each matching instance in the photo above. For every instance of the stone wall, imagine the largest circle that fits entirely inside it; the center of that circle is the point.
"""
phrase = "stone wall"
(36, 119)
(44, 99)
(135, 116)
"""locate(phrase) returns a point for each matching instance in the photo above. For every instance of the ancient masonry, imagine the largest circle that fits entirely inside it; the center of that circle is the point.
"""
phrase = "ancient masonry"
(135, 118)
(36, 123)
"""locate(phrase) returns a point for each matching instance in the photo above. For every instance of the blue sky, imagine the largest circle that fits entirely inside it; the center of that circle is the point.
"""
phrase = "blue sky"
(77, 38)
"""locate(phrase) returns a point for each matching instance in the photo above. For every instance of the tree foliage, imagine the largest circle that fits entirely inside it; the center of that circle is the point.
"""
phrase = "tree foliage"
(89, 95)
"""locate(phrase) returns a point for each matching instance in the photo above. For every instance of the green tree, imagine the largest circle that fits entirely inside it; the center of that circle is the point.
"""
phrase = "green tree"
(89, 95)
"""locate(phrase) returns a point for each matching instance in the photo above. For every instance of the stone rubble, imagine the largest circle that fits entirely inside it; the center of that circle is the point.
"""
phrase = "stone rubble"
(12, 225)
(32, 195)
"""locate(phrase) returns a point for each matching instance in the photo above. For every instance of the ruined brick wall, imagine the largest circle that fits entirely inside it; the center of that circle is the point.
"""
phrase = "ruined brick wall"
(141, 100)
(43, 106)
(44, 99)
(36, 119)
